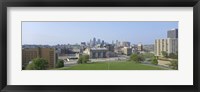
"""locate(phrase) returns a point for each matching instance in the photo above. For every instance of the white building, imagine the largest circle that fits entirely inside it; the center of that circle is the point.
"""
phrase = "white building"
(169, 45)
(127, 50)
(140, 47)
(96, 52)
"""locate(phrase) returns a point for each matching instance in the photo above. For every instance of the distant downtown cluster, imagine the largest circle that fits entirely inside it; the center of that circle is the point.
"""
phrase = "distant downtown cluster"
(98, 49)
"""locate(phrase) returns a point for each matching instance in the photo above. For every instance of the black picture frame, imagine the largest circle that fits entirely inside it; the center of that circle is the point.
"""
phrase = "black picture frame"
(98, 3)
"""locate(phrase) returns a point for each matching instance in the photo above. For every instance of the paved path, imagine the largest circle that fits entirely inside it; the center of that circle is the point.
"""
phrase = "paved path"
(70, 63)
(164, 63)
(119, 58)
(161, 66)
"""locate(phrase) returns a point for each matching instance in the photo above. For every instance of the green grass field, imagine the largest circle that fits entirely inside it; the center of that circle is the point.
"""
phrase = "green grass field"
(111, 66)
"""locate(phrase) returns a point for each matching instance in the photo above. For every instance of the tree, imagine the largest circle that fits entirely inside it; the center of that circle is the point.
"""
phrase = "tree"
(83, 59)
(59, 63)
(164, 53)
(134, 57)
(141, 57)
(148, 55)
(154, 61)
(38, 64)
(80, 59)
(137, 58)
(174, 56)
(174, 64)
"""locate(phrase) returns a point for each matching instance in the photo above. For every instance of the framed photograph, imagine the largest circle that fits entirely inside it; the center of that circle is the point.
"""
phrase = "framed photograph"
(91, 45)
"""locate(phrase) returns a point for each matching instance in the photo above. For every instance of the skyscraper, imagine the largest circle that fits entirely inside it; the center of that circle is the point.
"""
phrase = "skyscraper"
(116, 43)
(91, 43)
(173, 33)
(99, 41)
(113, 42)
(102, 43)
(94, 41)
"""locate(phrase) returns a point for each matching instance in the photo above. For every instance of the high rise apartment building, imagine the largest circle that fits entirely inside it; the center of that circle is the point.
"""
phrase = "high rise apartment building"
(169, 45)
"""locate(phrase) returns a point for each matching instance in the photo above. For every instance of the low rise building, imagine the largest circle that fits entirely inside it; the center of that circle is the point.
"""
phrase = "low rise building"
(140, 47)
(125, 44)
(96, 52)
(110, 47)
(127, 50)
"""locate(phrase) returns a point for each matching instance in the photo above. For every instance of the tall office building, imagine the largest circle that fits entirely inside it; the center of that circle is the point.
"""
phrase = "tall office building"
(169, 45)
(46, 53)
(117, 43)
(102, 43)
(94, 41)
(113, 42)
(173, 33)
(98, 41)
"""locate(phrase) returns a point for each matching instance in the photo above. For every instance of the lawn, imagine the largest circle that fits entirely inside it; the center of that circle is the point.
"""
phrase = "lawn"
(111, 66)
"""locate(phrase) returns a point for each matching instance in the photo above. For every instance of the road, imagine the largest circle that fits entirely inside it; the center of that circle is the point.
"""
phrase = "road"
(119, 58)
(70, 63)
(159, 65)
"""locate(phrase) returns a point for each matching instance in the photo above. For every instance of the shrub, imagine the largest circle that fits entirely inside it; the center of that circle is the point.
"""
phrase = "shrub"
(154, 61)
(59, 63)
(148, 55)
(174, 64)
(37, 64)
(137, 58)
(164, 54)
(80, 60)
(174, 56)
(83, 59)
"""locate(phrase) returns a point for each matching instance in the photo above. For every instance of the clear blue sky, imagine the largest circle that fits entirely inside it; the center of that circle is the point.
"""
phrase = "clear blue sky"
(53, 33)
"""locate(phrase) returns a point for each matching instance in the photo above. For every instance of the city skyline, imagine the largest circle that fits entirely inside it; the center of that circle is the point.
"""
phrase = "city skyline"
(53, 33)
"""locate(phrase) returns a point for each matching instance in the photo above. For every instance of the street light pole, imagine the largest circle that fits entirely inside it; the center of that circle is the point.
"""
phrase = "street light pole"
(108, 64)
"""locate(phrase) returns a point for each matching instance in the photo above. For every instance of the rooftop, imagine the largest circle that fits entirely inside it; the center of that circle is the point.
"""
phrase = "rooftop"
(98, 48)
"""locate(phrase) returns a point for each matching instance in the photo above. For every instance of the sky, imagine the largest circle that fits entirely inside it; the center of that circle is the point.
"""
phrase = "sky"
(53, 33)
